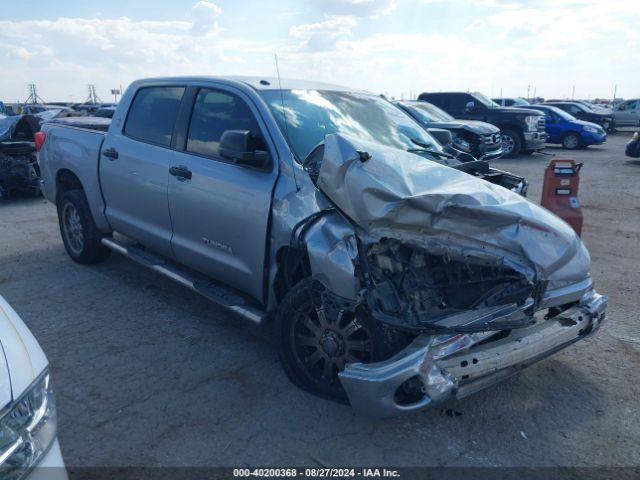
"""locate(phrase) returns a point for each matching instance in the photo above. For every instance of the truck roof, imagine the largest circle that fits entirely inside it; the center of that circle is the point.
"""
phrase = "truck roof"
(257, 83)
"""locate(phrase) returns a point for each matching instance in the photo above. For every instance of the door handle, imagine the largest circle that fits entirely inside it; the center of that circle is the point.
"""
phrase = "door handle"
(181, 171)
(111, 153)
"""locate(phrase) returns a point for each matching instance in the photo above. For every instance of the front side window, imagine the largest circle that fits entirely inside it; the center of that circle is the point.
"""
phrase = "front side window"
(153, 114)
(484, 100)
(215, 112)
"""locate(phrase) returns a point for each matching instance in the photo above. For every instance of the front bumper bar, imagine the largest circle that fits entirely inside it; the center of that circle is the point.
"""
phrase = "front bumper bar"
(455, 366)
(534, 140)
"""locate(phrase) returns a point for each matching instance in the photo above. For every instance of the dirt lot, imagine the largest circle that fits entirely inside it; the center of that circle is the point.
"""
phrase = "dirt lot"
(148, 373)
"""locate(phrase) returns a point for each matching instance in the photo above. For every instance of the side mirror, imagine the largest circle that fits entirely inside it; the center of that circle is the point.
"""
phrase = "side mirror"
(443, 136)
(548, 119)
(235, 145)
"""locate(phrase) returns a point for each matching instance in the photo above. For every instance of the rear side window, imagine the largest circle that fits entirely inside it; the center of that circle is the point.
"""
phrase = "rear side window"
(215, 112)
(153, 113)
(458, 102)
(437, 100)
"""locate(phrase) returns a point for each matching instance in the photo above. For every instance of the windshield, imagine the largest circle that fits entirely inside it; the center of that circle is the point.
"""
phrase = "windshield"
(313, 114)
(486, 101)
(426, 112)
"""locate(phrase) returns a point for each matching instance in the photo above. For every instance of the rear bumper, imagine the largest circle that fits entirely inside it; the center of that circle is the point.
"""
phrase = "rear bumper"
(534, 140)
(459, 365)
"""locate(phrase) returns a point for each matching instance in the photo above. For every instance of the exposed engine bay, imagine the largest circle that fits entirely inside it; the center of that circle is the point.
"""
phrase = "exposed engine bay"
(19, 170)
(414, 289)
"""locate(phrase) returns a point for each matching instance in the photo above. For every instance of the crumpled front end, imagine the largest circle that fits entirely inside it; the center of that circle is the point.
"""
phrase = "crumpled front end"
(485, 281)
(434, 368)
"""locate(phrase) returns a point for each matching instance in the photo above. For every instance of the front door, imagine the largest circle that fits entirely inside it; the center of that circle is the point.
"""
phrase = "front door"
(553, 126)
(220, 214)
(134, 168)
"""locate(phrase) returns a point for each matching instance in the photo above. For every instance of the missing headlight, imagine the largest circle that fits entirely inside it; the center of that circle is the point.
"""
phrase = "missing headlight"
(413, 288)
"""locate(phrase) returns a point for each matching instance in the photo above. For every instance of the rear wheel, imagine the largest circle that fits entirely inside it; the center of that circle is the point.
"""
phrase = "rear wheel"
(316, 340)
(80, 236)
(571, 141)
(511, 143)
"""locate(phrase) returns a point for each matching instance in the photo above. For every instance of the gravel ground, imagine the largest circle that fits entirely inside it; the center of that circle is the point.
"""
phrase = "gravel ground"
(149, 374)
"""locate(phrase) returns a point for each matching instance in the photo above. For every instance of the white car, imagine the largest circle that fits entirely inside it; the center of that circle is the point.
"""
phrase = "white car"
(29, 448)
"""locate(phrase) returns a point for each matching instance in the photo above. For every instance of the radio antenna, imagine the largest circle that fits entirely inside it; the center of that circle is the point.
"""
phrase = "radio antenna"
(286, 124)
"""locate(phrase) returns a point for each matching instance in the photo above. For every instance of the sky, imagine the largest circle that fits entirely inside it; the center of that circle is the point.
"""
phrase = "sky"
(396, 47)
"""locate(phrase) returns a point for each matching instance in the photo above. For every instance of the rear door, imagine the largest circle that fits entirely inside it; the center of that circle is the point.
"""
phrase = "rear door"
(134, 168)
(634, 113)
(626, 113)
(554, 126)
(220, 215)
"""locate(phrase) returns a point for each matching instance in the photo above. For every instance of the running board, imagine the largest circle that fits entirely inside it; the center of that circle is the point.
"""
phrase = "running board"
(224, 297)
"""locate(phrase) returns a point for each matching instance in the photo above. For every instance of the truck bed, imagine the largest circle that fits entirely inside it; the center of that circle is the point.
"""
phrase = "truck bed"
(73, 151)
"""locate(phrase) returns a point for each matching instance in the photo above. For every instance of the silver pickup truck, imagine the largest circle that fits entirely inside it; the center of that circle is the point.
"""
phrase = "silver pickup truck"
(395, 281)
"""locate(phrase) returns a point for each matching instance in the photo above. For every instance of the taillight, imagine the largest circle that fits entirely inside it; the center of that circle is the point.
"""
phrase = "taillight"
(39, 139)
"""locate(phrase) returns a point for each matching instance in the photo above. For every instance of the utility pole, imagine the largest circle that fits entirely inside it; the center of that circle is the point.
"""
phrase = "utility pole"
(534, 94)
(528, 89)
(573, 92)
(615, 92)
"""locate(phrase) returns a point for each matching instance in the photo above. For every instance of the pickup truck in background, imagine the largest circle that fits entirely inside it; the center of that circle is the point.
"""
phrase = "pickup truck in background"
(522, 129)
(394, 281)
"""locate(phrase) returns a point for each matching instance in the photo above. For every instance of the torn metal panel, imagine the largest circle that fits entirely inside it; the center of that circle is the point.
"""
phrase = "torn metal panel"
(437, 368)
(18, 127)
(333, 253)
(398, 194)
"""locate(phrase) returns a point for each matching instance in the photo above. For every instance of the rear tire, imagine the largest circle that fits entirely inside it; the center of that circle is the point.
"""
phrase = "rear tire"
(511, 143)
(81, 237)
(571, 141)
(315, 341)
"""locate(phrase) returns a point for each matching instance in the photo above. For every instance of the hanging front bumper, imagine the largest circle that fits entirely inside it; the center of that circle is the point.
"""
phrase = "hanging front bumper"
(455, 366)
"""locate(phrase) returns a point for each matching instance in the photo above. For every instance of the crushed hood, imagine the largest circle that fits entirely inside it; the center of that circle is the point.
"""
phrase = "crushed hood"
(400, 193)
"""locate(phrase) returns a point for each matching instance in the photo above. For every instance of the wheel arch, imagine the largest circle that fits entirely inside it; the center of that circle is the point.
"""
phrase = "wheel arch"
(512, 126)
(66, 180)
(573, 132)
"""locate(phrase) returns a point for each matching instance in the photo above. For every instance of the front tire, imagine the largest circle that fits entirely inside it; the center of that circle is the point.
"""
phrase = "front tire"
(511, 143)
(571, 141)
(81, 237)
(316, 341)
